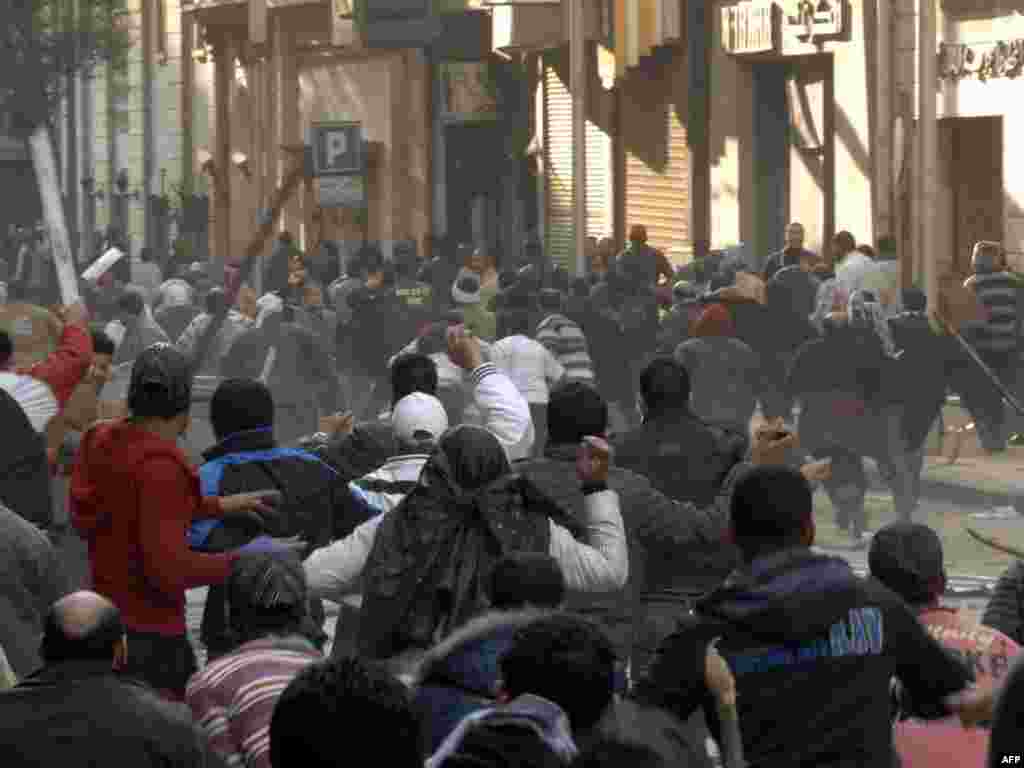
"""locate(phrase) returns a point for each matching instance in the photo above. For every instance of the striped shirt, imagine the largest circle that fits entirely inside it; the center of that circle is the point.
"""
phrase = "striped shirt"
(997, 294)
(384, 489)
(566, 341)
(233, 698)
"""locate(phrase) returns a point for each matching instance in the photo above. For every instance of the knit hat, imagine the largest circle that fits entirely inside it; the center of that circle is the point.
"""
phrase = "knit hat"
(160, 384)
(715, 321)
(908, 559)
(263, 585)
(418, 418)
(240, 405)
(466, 290)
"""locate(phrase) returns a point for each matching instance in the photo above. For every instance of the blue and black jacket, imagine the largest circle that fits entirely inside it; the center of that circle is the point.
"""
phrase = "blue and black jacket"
(315, 505)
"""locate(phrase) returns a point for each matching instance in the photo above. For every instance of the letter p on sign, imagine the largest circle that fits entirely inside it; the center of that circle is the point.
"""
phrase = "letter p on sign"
(337, 147)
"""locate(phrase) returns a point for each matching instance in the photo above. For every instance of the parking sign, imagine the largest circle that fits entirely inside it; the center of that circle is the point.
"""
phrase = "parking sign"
(337, 148)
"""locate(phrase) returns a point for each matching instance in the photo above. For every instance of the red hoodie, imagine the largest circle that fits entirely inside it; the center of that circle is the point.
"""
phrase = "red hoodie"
(133, 495)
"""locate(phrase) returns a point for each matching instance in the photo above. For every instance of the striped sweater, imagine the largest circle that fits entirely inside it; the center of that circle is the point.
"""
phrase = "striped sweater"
(566, 342)
(384, 489)
(997, 294)
(233, 698)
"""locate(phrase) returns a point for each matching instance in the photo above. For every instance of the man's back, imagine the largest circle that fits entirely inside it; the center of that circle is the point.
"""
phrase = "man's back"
(32, 581)
(683, 457)
(233, 698)
(660, 535)
(813, 649)
(80, 713)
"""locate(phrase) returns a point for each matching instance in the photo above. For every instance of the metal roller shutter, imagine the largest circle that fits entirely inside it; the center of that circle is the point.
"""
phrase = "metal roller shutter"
(600, 222)
(558, 168)
(657, 159)
(558, 156)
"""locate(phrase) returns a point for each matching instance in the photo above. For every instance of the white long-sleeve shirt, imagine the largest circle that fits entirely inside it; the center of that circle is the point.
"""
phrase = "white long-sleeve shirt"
(530, 365)
(598, 564)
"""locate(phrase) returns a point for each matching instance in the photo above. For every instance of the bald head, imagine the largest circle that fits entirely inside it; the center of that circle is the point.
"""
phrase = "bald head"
(82, 626)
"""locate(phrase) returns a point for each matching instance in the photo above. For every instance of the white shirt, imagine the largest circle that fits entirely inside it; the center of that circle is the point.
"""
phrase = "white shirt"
(599, 563)
(530, 365)
(853, 271)
(34, 396)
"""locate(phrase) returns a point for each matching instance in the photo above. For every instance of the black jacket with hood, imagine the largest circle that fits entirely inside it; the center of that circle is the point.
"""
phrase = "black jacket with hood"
(314, 506)
(813, 648)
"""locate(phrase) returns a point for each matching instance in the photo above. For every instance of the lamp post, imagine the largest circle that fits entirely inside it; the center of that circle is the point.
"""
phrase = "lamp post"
(926, 153)
(578, 86)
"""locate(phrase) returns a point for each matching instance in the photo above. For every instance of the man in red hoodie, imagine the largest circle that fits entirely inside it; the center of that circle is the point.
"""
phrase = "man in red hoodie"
(134, 494)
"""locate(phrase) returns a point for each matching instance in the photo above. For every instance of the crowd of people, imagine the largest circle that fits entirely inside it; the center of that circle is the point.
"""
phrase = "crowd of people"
(550, 530)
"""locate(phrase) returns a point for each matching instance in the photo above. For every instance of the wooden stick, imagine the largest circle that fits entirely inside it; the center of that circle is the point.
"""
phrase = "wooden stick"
(982, 365)
(994, 543)
(251, 255)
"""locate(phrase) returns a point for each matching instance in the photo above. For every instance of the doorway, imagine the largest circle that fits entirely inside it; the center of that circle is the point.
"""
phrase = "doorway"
(771, 160)
(473, 155)
(975, 159)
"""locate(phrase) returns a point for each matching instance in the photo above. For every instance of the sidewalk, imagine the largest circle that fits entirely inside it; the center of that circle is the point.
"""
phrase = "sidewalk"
(975, 480)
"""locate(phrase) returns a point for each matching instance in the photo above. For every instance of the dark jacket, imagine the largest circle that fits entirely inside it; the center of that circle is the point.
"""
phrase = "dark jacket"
(920, 374)
(382, 324)
(32, 580)
(608, 345)
(426, 572)
(460, 675)
(683, 457)
(1005, 610)
(302, 379)
(360, 452)
(81, 713)
(173, 320)
(1005, 739)
(725, 379)
(27, 485)
(788, 257)
(313, 507)
(669, 541)
(813, 649)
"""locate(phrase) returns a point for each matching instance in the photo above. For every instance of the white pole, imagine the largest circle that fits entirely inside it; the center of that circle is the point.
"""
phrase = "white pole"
(927, 150)
(41, 148)
(884, 122)
(578, 86)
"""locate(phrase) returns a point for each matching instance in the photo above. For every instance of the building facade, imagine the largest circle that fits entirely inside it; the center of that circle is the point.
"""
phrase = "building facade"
(120, 141)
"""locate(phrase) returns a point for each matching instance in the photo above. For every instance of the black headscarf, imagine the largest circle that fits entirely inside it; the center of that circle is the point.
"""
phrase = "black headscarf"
(427, 573)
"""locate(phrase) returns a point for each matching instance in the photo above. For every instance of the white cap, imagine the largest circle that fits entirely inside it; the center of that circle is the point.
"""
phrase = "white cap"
(418, 417)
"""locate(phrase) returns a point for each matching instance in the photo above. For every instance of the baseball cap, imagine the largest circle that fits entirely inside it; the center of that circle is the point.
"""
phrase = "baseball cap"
(418, 417)
(908, 559)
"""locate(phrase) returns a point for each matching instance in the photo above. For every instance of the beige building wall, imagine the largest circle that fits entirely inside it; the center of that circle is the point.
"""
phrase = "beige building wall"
(387, 93)
(113, 150)
(731, 151)
(852, 89)
(841, 111)
(971, 97)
